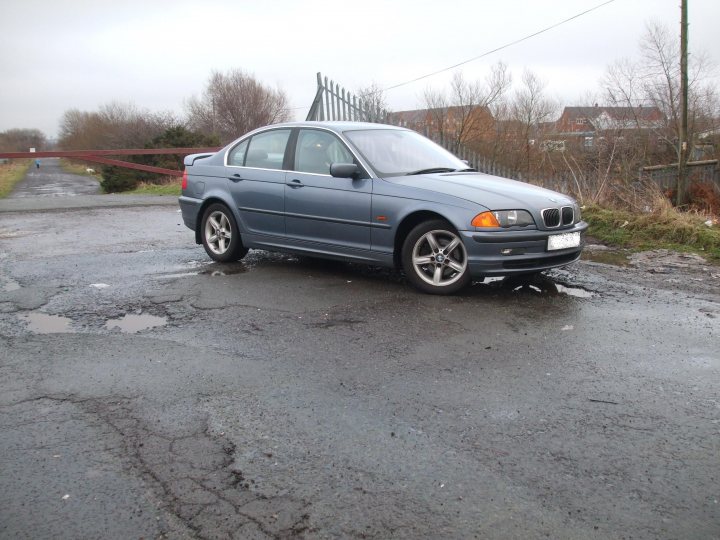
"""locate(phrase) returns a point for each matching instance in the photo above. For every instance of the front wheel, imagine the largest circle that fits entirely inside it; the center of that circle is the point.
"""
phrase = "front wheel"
(220, 235)
(434, 258)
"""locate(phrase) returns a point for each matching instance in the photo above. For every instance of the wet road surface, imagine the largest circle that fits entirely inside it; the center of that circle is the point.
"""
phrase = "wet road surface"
(50, 180)
(147, 392)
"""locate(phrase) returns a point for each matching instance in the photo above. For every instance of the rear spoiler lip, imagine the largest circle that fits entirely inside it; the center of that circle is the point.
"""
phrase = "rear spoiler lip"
(190, 160)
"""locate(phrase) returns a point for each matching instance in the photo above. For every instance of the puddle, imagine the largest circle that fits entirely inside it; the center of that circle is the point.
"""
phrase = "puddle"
(131, 324)
(226, 270)
(574, 291)
(606, 256)
(42, 323)
(178, 275)
(534, 285)
(196, 268)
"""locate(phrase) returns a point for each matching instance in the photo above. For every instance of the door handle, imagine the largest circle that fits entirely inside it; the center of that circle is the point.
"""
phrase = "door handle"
(235, 177)
(296, 184)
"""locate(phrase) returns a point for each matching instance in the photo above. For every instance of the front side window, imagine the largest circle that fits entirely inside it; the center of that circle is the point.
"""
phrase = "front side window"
(267, 150)
(317, 150)
(396, 152)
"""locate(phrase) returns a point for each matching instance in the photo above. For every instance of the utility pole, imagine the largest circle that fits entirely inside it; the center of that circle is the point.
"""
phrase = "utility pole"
(683, 135)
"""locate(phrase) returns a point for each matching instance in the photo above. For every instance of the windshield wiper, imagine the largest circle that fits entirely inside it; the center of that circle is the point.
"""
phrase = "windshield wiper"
(431, 170)
(469, 169)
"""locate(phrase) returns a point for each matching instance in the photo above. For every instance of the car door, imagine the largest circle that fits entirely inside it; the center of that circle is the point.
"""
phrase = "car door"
(256, 179)
(323, 212)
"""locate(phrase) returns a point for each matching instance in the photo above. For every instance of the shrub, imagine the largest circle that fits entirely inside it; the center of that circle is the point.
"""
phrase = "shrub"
(117, 179)
(705, 197)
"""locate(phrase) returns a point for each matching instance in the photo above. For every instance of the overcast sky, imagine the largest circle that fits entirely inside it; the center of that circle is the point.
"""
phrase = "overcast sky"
(62, 54)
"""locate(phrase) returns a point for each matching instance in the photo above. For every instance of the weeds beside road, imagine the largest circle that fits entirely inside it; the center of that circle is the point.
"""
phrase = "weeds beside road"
(171, 188)
(11, 173)
(665, 228)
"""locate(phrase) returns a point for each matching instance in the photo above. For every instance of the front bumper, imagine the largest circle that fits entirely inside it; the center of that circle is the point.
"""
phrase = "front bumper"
(517, 252)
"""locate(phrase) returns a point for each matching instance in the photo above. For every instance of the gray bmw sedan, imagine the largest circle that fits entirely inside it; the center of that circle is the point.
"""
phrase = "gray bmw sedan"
(374, 194)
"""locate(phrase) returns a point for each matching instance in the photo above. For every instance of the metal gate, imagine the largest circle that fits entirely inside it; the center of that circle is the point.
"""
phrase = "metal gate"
(97, 156)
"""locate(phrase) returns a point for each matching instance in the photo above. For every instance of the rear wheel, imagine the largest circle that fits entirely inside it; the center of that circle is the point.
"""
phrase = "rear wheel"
(220, 235)
(434, 258)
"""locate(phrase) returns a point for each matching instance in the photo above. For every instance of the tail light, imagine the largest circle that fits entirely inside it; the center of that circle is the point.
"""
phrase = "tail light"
(184, 180)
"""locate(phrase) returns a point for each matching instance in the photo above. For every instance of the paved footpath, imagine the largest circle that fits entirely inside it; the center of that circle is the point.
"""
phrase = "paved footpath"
(50, 180)
(51, 188)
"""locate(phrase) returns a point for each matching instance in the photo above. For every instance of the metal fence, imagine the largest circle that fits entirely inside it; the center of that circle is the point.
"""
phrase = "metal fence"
(698, 172)
(332, 102)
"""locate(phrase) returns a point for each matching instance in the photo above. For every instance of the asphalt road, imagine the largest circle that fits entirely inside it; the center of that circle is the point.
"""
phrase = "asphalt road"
(147, 392)
(50, 180)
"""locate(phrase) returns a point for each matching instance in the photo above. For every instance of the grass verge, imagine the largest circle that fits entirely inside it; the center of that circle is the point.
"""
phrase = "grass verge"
(78, 167)
(155, 189)
(667, 228)
(11, 173)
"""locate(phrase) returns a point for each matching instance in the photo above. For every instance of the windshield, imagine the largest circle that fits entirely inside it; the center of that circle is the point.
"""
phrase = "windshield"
(397, 152)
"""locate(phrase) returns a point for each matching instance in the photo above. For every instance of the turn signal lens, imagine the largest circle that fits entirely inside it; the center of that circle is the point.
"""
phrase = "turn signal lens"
(486, 219)
(184, 180)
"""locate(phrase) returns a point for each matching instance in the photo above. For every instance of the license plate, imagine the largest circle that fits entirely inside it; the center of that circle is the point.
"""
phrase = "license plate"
(563, 241)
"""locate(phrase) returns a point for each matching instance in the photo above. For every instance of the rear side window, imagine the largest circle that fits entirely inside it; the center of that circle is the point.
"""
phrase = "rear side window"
(236, 157)
(267, 150)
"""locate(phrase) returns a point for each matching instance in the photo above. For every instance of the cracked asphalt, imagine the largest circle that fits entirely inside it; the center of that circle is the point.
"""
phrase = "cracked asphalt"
(146, 392)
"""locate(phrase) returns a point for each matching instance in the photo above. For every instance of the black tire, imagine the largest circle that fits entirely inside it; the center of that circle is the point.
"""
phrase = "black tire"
(442, 269)
(220, 235)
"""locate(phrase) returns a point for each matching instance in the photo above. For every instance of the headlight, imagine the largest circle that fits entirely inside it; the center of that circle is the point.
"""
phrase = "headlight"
(503, 218)
(578, 214)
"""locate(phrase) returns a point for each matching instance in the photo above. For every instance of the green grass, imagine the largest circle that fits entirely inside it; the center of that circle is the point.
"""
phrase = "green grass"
(669, 229)
(11, 173)
(155, 189)
(78, 167)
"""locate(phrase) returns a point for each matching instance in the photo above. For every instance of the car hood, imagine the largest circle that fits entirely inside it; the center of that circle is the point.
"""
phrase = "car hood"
(492, 192)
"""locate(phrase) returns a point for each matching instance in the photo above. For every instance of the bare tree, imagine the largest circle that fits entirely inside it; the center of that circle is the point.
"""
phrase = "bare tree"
(374, 102)
(234, 103)
(530, 107)
(471, 103)
(463, 116)
(114, 125)
(653, 80)
(437, 106)
(21, 140)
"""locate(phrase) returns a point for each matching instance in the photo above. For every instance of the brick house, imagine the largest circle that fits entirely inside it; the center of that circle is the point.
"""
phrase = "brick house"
(584, 125)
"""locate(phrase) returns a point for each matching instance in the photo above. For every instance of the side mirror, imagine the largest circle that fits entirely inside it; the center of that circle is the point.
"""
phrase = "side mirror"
(344, 170)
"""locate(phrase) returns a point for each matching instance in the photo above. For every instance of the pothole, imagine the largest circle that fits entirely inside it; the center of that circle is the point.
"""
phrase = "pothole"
(607, 256)
(132, 323)
(225, 270)
(574, 291)
(9, 285)
(535, 285)
(43, 323)
(207, 269)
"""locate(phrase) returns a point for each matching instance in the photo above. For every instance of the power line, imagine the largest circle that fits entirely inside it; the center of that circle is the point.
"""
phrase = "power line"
(488, 52)
(499, 48)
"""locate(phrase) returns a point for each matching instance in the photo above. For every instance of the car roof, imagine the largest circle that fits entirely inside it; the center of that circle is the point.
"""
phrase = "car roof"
(338, 126)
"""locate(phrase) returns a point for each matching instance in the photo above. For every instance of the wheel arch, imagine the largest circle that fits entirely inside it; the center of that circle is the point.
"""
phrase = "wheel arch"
(407, 224)
(201, 212)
